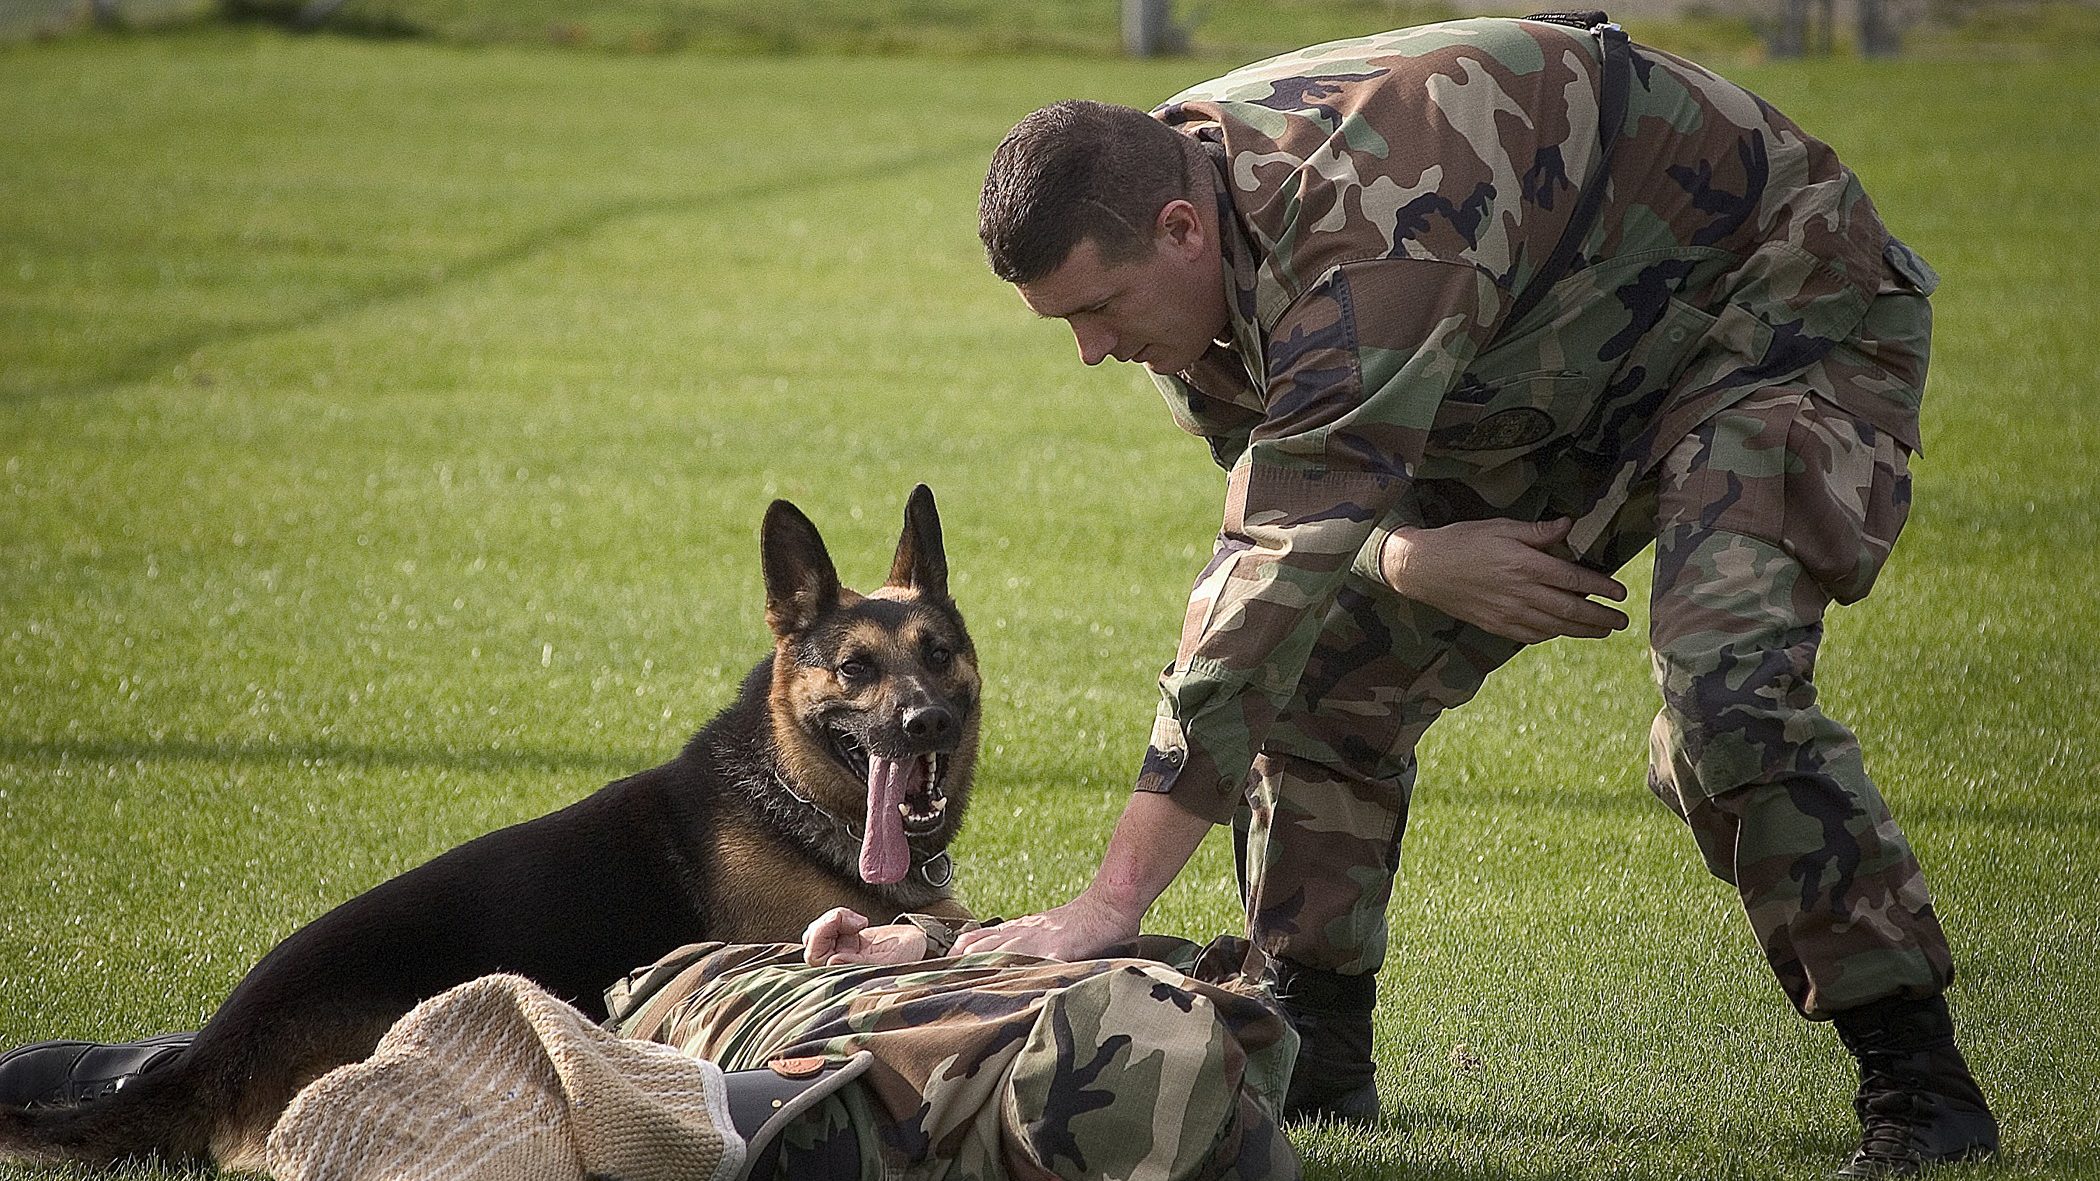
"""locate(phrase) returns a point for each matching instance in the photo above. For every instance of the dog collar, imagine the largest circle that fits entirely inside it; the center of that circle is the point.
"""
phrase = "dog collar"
(936, 871)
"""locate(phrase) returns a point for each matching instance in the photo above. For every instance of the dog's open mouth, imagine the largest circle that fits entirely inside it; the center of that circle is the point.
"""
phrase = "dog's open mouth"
(905, 799)
(924, 809)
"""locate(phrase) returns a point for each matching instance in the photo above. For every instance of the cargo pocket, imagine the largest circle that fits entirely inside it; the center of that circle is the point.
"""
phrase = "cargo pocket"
(1787, 467)
(1911, 266)
(1690, 349)
(1847, 496)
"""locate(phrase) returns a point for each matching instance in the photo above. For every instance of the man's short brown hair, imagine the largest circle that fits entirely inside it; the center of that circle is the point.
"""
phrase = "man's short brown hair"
(1072, 171)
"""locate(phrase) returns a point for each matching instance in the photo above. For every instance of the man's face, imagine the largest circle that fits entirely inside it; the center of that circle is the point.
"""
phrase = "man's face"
(1161, 309)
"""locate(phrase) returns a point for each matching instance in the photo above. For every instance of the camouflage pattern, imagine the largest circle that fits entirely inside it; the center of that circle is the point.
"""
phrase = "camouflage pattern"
(1327, 802)
(1161, 1062)
(1774, 789)
(1381, 202)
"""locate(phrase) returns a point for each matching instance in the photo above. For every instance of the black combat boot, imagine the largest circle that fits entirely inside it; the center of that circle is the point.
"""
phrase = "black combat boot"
(1334, 1078)
(1917, 1104)
(53, 1074)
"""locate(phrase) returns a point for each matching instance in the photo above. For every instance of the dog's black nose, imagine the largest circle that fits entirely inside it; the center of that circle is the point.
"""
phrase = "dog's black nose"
(925, 722)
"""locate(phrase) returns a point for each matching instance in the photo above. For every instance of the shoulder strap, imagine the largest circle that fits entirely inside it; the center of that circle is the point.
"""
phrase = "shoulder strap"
(1611, 114)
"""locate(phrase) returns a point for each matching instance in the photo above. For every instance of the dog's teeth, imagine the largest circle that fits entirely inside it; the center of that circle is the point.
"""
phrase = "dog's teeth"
(920, 810)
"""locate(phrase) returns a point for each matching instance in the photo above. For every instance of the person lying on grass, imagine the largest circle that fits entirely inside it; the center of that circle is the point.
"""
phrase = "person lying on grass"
(853, 1055)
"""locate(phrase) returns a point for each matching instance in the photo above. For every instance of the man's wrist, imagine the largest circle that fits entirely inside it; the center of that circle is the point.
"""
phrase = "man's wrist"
(1394, 556)
(1120, 904)
(1153, 839)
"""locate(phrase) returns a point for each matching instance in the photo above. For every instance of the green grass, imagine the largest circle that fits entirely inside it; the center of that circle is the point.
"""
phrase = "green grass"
(1234, 28)
(384, 429)
(1241, 29)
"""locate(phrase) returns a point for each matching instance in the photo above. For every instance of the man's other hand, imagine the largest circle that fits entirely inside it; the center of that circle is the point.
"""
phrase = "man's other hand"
(1080, 929)
(1511, 578)
(843, 936)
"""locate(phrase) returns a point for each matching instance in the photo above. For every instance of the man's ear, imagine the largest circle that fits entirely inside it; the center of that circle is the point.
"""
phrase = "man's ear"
(1180, 228)
(801, 583)
(922, 562)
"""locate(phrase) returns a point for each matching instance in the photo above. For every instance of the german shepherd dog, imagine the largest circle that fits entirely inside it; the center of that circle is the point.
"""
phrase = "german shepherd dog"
(837, 778)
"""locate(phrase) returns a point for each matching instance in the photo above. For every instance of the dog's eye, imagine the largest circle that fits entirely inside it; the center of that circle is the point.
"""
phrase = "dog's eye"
(855, 669)
(939, 658)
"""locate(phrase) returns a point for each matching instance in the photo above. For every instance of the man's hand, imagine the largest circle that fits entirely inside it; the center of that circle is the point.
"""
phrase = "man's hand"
(1080, 929)
(843, 936)
(1511, 578)
(1154, 838)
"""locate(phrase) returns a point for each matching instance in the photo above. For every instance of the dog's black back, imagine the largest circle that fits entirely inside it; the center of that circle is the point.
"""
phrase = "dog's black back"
(738, 838)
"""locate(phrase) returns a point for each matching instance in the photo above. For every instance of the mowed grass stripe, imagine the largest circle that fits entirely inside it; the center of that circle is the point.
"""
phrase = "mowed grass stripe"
(461, 172)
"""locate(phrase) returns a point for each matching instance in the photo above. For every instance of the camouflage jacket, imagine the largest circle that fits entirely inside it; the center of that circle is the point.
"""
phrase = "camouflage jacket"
(1382, 200)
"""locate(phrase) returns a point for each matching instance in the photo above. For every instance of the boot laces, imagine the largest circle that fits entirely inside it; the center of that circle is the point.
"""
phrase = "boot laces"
(1892, 1110)
(1888, 1119)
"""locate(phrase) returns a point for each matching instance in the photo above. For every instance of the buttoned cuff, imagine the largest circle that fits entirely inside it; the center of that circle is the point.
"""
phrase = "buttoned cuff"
(941, 933)
(1367, 563)
(1202, 765)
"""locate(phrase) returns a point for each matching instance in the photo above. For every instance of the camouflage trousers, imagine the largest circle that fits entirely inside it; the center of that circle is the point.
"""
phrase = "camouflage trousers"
(1157, 1064)
(1761, 517)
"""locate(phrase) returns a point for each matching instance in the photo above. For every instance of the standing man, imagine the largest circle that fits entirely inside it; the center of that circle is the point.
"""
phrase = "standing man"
(1472, 314)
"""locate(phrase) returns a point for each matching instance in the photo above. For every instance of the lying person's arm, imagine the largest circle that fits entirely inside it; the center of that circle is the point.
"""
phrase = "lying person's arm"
(842, 936)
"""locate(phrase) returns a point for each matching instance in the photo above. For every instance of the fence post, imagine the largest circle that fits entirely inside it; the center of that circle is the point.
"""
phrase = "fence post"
(1877, 33)
(314, 13)
(1145, 31)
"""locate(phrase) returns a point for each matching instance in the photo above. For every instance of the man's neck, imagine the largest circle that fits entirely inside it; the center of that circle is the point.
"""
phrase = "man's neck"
(1203, 187)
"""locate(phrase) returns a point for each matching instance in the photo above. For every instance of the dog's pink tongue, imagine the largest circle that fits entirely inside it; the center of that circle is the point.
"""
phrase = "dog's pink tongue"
(884, 855)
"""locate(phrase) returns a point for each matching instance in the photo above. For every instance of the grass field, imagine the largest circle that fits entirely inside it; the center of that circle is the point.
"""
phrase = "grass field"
(1251, 28)
(384, 429)
(1247, 29)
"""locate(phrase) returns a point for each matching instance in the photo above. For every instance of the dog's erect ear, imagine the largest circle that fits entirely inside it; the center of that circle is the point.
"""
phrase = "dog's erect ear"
(801, 583)
(922, 564)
